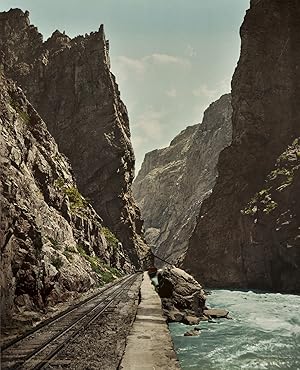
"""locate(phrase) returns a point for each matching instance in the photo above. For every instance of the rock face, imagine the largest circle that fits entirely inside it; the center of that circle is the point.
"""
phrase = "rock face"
(68, 81)
(273, 218)
(248, 231)
(52, 241)
(173, 181)
(183, 299)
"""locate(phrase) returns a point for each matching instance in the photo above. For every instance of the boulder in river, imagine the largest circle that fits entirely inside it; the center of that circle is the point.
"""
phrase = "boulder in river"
(216, 313)
(192, 333)
(183, 298)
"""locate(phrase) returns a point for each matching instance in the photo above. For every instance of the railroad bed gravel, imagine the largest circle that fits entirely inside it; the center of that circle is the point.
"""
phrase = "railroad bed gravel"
(102, 344)
(25, 321)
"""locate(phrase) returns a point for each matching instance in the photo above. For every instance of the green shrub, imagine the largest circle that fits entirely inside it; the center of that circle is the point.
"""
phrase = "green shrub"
(75, 198)
(107, 277)
(59, 182)
(115, 271)
(260, 200)
(110, 237)
(81, 250)
(95, 263)
(24, 115)
(105, 272)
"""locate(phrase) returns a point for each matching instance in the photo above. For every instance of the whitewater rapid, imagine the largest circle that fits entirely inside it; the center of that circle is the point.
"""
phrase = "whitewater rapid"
(264, 334)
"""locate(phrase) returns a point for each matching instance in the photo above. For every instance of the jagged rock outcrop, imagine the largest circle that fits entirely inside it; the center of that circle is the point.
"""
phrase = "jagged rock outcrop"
(183, 299)
(173, 181)
(52, 241)
(69, 83)
(229, 248)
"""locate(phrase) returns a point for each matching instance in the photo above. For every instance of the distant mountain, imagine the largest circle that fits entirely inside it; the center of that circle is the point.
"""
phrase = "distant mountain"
(173, 181)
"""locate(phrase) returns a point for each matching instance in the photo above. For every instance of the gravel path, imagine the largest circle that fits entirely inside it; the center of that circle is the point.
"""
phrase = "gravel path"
(101, 345)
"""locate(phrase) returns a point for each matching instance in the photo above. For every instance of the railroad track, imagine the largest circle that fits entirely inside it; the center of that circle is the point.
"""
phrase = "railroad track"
(36, 349)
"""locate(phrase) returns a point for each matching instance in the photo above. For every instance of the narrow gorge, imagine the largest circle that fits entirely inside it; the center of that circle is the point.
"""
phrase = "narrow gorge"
(233, 220)
(193, 262)
(174, 181)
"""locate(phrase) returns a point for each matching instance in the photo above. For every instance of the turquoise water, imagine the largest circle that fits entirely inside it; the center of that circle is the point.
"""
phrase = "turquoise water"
(264, 334)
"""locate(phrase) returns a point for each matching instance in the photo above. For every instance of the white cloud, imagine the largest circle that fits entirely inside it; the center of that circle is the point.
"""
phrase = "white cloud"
(190, 51)
(204, 91)
(124, 66)
(167, 59)
(172, 93)
(207, 96)
(148, 125)
(138, 142)
(135, 64)
(222, 87)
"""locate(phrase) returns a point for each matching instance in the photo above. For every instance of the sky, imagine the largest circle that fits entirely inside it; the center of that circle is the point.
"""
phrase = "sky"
(171, 58)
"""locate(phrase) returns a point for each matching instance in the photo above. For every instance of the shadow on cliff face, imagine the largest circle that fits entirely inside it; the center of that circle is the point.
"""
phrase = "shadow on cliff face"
(69, 83)
(228, 248)
(53, 244)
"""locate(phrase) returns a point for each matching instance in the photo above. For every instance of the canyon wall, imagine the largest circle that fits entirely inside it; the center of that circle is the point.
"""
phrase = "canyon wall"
(53, 244)
(69, 83)
(173, 181)
(248, 230)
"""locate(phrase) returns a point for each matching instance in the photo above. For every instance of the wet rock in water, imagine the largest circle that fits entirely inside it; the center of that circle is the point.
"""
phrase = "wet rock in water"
(190, 320)
(183, 298)
(175, 315)
(216, 313)
(192, 333)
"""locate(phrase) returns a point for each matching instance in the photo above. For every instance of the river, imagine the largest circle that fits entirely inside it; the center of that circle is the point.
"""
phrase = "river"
(263, 334)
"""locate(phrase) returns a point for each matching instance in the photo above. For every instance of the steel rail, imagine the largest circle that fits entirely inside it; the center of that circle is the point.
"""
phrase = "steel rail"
(46, 361)
(80, 318)
(58, 316)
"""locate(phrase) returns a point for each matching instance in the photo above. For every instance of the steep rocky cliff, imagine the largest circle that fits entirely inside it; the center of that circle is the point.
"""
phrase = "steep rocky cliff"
(69, 83)
(173, 181)
(273, 219)
(52, 241)
(229, 247)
